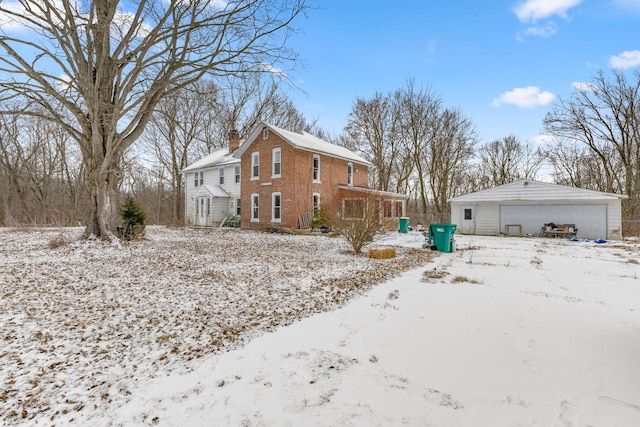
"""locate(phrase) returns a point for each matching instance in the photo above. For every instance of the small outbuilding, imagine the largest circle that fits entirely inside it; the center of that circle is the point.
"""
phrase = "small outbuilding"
(525, 207)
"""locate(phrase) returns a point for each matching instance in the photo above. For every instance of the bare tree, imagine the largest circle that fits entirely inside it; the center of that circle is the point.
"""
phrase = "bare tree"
(507, 159)
(449, 153)
(373, 128)
(101, 68)
(604, 117)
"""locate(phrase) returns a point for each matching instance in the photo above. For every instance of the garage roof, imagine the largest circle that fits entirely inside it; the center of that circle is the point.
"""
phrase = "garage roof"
(534, 191)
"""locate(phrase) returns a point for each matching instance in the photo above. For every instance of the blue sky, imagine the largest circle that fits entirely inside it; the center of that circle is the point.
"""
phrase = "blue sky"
(503, 63)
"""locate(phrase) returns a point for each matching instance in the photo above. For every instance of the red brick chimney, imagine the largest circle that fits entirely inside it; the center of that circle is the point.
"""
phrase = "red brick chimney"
(234, 140)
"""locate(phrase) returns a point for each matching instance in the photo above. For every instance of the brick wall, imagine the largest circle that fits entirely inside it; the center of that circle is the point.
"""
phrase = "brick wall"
(295, 183)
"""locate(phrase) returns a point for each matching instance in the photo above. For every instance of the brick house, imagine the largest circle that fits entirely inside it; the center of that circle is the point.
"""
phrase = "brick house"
(288, 176)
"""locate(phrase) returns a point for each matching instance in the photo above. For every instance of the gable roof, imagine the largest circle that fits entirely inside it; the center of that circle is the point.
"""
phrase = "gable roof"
(220, 157)
(210, 190)
(303, 141)
(527, 190)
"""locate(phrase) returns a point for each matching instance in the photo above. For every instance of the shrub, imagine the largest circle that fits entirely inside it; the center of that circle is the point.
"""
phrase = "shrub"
(133, 220)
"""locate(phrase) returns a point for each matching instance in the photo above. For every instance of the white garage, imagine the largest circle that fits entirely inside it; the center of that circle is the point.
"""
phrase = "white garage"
(528, 205)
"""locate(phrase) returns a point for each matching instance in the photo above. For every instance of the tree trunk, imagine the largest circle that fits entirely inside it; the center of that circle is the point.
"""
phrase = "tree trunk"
(102, 183)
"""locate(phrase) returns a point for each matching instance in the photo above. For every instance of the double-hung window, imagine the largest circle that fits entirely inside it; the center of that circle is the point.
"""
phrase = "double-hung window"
(198, 178)
(276, 211)
(349, 173)
(255, 203)
(237, 174)
(316, 168)
(276, 168)
(316, 205)
(255, 165)
(221, 175)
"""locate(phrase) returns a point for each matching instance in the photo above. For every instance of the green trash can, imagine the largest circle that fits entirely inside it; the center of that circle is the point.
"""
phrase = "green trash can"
(404, 224)
(441, 237)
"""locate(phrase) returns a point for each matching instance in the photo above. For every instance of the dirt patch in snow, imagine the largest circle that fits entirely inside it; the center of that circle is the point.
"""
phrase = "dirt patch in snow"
(80, 322)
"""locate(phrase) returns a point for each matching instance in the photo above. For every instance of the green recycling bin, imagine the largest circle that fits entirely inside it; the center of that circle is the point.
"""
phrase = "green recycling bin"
(404, 225)
(441, 237)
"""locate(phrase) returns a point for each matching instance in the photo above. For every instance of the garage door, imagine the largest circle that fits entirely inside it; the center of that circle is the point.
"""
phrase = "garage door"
(590, 220)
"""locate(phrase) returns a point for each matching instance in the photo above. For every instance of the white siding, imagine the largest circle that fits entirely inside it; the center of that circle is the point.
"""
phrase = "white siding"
(220, 206)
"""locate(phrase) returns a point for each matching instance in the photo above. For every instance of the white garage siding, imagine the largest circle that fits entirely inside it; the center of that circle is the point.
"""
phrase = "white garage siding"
(533, 204)
(590, 220)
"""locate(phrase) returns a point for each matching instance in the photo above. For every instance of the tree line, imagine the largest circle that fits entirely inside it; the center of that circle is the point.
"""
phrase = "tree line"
(417, 144)
(112, 98)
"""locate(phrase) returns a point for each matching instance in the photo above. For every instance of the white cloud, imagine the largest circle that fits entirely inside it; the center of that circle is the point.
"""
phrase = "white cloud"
(541, 31)
(533, 10)
(543, 139)
(525, 97)
(273, 70)
(627, 59)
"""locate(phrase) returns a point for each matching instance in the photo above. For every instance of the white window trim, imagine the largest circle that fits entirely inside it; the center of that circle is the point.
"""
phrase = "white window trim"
(255, 158)
(273, 162)
(236, 172)
(316, 156)
(265, 133)
(349, 173)
(273, 207)
(198, 178)
(221, 176)
(255, 218)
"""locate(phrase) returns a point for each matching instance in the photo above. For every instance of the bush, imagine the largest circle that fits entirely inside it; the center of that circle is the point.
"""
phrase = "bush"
(133, 220)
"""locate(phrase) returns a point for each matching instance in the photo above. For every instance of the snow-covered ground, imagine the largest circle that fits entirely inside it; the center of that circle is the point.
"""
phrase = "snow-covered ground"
(502, 332)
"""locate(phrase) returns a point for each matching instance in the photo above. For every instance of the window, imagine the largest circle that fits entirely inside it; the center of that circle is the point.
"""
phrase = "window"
(237, 173)
(276, 167)
(255, 165)
(255, 201)
(387, 208)
(198, 178)
(468, 214)
(316, 168)
(238, 207)
(276, 203)
(353, 208)
(221, 175)
(349, 173)
(316, 205)
(399, 208)
(265, 133)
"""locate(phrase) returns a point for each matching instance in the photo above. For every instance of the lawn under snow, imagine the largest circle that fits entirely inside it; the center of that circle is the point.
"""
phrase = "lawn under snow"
(502, 332)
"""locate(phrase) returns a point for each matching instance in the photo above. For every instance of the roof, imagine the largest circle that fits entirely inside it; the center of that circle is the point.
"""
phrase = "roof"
(217, 158)
(303, 141)
(528, 190)
(372, 192)
(211, 190)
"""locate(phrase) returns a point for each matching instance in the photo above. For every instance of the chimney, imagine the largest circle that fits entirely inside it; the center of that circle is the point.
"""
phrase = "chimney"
(234, 140)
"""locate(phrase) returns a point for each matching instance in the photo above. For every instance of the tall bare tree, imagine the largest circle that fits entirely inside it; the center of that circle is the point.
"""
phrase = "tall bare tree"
(604, 118)
(100, 68)
(507, 159)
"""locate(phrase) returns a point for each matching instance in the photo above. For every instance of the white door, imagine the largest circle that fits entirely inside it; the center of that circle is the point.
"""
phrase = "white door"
(467, 223)
(202, 210)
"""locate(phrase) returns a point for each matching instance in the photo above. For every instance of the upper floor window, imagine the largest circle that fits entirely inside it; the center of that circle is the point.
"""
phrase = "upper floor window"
(198, 178)
(349, 173)
(237, 174)
(277, 165)
(265, 133)
(276, 203)
(316, 168)
(221, 175)
(255, 165)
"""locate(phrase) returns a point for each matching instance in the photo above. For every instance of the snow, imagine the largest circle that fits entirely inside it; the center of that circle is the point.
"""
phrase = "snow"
(501, 332)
